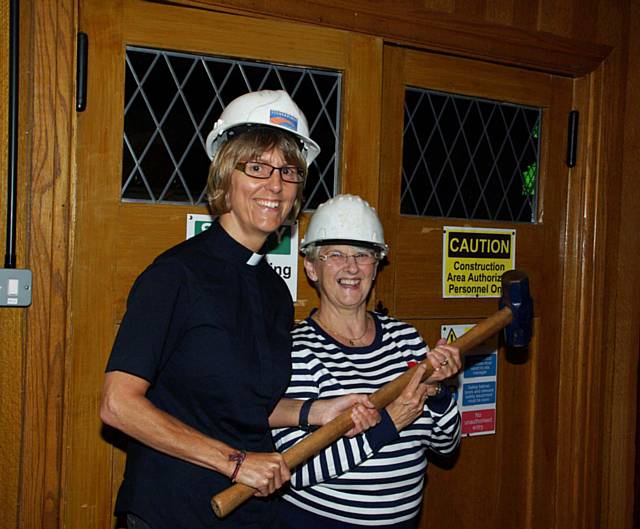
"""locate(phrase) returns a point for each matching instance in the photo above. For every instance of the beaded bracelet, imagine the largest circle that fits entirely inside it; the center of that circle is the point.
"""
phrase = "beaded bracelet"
(239, 457)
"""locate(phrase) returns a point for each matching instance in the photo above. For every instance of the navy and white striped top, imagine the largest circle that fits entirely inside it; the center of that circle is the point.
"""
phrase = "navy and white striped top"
(376, 478)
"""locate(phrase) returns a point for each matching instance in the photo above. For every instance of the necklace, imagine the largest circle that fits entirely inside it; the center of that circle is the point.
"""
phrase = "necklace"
(350, 340)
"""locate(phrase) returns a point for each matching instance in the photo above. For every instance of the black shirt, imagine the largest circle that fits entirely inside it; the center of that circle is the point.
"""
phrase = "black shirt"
(210, 332)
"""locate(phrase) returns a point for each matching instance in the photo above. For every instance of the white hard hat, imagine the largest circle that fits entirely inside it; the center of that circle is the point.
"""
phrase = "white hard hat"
(271, 108)
(345, 219)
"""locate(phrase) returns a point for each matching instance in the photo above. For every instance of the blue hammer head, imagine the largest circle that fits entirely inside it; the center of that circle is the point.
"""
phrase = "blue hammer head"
(515, 295)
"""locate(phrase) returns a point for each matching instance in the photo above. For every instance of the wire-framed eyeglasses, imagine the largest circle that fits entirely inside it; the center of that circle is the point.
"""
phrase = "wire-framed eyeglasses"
(337, 258)
(289, 173)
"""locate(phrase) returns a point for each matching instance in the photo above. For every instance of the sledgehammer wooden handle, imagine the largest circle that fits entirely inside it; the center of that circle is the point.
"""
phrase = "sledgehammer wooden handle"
(227, 500)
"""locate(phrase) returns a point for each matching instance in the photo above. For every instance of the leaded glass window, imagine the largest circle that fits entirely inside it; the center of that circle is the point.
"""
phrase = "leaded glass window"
(172, 100)
(469, 158)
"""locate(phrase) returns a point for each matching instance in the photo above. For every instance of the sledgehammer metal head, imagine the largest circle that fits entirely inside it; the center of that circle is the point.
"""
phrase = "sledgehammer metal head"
(515, 295)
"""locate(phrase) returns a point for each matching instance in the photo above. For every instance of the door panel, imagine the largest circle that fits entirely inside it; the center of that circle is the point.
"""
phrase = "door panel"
(496, 480)
(114, 241)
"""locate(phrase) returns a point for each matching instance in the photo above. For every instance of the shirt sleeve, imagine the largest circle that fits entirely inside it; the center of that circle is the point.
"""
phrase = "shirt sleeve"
(442, 414)
(152, 322)
(338, 458)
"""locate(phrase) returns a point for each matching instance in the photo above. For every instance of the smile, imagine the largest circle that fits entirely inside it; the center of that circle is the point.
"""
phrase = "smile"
(268, 203)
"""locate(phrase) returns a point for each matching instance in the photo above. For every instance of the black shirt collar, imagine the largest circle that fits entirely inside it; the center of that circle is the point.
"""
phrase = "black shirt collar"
(231, 250)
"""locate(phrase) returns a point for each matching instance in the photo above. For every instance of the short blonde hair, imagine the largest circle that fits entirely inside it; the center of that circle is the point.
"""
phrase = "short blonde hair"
(246, 146)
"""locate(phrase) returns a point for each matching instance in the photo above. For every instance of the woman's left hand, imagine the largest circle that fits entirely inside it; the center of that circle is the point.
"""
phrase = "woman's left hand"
(445, 360)
(363, 413)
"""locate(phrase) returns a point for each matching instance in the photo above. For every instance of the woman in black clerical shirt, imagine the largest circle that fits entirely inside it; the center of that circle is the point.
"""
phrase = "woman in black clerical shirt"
(202, 357)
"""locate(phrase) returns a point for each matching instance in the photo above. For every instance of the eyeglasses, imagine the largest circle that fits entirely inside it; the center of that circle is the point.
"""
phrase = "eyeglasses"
(337, 258)
(289, 173)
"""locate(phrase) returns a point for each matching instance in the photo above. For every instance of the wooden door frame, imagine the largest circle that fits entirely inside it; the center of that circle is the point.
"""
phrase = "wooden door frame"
(420, 27)
(602, 242)
(37, 352)
(619, 240)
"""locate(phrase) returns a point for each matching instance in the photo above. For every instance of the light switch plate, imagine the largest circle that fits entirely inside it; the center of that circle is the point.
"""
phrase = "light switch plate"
(15, 287)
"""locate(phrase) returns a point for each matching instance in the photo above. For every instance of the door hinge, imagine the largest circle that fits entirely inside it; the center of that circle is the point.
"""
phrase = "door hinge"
(82, 57)
(572, 138)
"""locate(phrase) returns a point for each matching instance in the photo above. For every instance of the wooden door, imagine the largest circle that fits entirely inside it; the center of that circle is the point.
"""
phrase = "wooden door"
(506, 479)
(115, 240)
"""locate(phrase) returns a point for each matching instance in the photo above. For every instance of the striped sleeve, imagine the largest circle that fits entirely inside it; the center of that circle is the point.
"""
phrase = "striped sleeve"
(445, 433)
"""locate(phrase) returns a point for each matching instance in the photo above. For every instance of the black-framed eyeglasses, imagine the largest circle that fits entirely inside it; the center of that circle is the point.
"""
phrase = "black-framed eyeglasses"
(289, 173)
(337, 258)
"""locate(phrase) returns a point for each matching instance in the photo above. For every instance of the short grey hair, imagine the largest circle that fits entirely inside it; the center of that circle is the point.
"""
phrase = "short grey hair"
(312, 252)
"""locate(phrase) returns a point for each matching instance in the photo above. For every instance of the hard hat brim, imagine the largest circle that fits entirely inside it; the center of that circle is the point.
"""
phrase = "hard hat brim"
(309, 148)
(383, 248)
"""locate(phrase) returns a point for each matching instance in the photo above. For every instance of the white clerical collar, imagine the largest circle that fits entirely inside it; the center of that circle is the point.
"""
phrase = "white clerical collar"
(254, 259)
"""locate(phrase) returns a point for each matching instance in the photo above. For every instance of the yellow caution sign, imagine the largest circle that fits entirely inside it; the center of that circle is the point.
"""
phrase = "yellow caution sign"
(474, 259)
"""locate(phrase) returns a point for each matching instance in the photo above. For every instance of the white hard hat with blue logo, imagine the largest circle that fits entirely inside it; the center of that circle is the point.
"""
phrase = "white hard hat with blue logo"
(266, 108)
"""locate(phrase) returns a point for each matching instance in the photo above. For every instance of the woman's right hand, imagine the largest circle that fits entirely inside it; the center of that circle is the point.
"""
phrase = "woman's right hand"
(264, 471)
(410, 404)
(363, 413)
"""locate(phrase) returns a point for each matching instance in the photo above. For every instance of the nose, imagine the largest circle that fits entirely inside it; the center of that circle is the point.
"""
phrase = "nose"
(351, 263)
(275, 182)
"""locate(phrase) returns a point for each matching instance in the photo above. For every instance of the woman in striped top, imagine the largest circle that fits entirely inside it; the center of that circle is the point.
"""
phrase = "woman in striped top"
(375, 478)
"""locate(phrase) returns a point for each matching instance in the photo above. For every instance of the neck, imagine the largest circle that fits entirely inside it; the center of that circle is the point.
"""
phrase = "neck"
(351, 328)
(249, 240)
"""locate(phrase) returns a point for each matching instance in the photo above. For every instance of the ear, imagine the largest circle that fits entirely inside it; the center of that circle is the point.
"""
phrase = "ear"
(310, 269)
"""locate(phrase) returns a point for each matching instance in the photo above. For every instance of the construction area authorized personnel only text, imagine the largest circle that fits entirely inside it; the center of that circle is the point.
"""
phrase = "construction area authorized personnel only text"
(474, 259)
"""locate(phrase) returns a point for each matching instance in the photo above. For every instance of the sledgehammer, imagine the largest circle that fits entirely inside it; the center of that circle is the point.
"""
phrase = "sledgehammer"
(514, 315)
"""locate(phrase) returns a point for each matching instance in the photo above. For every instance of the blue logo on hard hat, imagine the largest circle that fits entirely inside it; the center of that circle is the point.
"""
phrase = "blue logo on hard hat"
(283, 119)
